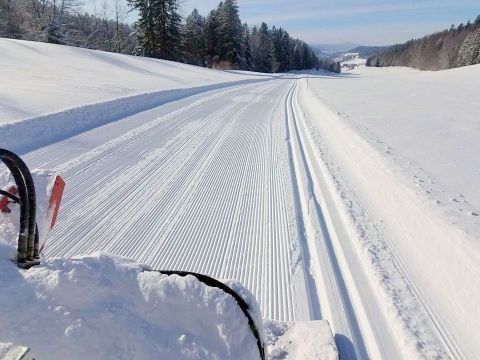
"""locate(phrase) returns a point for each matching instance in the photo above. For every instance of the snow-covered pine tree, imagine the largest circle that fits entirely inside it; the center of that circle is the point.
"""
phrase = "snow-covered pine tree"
(230, 33)
(275, 37)
(145, 27)
(262, 49)
(284, 50)
(297, 55)
(158, 27)
(169, 30)
(194, 42)
(212, 39)
(55, 31)
(246, 63)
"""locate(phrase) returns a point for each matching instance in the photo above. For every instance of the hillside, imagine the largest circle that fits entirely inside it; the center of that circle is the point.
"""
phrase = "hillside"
(27, 92)
(456, 47)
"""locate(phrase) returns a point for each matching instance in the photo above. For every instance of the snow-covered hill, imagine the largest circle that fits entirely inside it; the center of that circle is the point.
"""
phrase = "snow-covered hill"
(38, 78)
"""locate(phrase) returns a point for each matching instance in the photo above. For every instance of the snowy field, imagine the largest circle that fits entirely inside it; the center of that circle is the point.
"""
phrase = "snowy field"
(401, 147)
(324, 195)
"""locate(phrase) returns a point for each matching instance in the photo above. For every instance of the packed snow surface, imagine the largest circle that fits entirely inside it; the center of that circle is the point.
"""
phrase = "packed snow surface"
(339, 198)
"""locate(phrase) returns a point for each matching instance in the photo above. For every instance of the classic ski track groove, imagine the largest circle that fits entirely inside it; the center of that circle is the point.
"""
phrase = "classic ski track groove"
(203, 188)
(223, 185)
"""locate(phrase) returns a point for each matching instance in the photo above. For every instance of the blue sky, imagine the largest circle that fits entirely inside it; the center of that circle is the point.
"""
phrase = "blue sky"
(366, 22)
(356, 21)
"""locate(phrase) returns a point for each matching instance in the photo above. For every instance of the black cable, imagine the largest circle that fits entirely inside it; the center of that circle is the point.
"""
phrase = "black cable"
(209, 281)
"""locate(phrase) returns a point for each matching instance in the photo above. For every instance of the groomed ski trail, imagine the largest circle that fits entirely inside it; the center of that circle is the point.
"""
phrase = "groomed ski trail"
(224, 183)
(204, 187)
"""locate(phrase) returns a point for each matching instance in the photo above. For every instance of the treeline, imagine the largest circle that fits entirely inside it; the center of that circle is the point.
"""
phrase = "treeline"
(454, 47)
(219, 40)
(57, 21)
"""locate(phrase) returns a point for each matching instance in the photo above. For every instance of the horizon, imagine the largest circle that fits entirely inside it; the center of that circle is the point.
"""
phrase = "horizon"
(360, 22)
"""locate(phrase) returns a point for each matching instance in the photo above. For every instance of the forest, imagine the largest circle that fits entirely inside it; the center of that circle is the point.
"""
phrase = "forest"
(447, 49)
(219, 40)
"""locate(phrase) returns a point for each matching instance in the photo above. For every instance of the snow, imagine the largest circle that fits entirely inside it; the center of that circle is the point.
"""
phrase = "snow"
(100, 306)
(428, 121)
(394, 154)
(301, 340)
(334, 199)
(39, 78)
(351, 61)
(11, 351)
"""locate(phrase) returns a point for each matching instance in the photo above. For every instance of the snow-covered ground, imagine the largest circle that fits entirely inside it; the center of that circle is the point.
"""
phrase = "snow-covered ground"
(292, 185)
(401, 146)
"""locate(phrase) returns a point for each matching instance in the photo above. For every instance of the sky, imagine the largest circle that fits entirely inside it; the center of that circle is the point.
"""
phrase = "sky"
(365, 22)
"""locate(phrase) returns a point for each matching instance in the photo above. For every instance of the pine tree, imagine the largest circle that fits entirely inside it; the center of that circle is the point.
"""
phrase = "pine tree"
(212, 39)
(477, 20)
(230, 33)
(55, 31)
(284, 56)
(246, 63)
(262, 49)
(194, 42)
(169, 34)
(145, 27)
(158, 27)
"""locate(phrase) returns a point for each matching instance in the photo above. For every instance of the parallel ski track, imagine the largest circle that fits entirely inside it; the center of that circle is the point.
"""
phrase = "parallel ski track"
(227, 185)
(205, 188)
(338, 279)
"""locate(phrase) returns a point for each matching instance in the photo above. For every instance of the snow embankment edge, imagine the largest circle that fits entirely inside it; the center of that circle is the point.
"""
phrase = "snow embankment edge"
(33, 133)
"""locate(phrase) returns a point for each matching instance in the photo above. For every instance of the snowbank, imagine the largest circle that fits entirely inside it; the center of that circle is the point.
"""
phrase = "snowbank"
(109, 307)
(33, 133)
(101, 306)
(38, 78)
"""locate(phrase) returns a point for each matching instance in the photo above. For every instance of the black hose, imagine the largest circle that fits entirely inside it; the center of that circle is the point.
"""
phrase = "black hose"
(207, 280)
(24, 206)
(26, 191)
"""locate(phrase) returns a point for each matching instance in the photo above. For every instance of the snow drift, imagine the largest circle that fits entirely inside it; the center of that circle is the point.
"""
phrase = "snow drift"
(101, 306)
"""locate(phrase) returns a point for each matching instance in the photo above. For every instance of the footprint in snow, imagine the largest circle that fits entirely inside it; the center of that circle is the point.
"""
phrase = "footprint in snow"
(473, 213)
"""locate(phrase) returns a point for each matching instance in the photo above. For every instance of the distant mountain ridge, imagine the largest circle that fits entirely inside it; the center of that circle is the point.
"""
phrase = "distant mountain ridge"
(365, 52)
(455, 47)
(337, 48)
